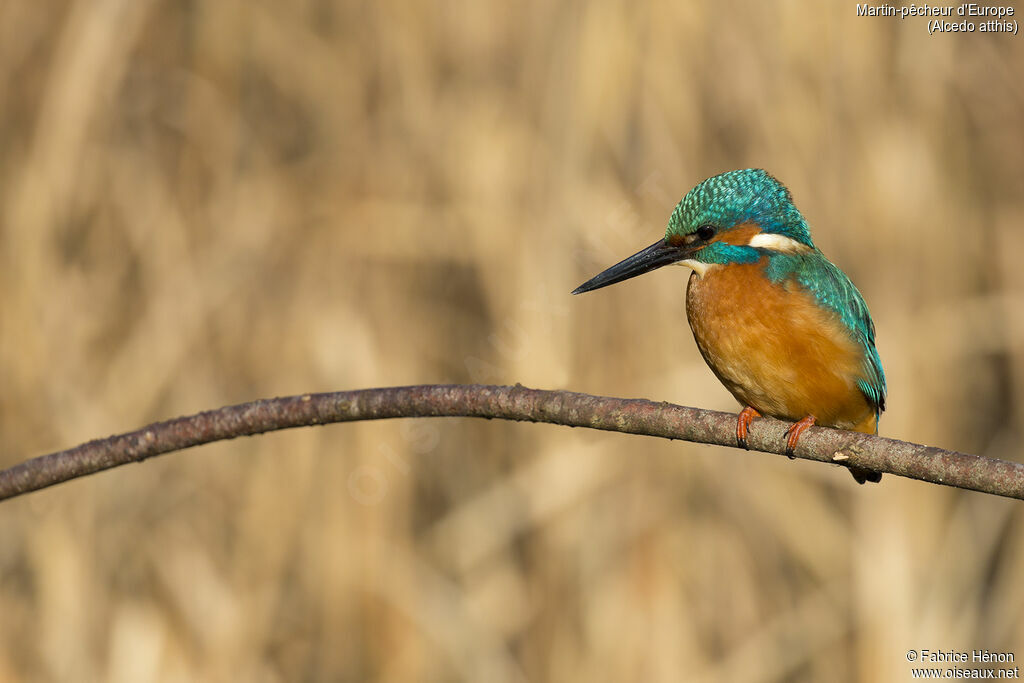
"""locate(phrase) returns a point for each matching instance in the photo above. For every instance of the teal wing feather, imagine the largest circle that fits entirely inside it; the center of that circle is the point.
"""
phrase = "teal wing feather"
(832, 288)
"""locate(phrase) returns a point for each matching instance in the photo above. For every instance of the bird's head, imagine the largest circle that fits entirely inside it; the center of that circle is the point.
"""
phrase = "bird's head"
(735, 217)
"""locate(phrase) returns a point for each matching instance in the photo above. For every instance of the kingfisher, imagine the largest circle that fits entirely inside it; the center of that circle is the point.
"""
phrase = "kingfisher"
(781, 326)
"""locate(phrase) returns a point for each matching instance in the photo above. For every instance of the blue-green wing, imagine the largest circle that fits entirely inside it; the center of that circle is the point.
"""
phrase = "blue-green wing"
(832, 288)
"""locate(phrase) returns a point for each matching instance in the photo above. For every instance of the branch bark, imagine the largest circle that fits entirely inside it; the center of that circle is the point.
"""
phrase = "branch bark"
(631, 416)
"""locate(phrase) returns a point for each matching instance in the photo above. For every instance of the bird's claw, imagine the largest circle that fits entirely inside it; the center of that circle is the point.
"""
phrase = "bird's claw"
(747, 416)
(794, 432)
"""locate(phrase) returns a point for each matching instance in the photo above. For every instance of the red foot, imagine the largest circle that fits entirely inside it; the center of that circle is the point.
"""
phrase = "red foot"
(747, 416)
(794, 432)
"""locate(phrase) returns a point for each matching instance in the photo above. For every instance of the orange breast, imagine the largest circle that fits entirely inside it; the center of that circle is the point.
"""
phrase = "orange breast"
(775, 350)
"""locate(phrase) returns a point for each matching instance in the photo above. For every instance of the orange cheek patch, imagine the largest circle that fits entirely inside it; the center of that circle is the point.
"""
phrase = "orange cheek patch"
(739, 235)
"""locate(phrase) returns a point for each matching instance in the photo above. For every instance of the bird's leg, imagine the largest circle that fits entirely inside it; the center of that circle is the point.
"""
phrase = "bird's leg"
(747, 416)
(794, 432)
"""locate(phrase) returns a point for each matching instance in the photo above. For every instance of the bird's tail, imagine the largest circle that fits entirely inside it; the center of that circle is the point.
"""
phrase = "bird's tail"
(863, 475)
(868, 426)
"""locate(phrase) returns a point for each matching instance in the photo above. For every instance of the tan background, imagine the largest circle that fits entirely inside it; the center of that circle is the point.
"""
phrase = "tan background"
(210, 202)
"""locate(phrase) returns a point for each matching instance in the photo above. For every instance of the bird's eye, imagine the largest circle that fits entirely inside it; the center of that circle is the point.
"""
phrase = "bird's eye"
(705, 232)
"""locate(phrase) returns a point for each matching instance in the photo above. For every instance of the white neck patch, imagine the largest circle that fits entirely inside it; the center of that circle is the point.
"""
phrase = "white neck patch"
(776, 242)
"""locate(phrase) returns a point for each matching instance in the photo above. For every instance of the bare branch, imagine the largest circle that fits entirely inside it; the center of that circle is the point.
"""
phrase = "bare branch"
(632, 416)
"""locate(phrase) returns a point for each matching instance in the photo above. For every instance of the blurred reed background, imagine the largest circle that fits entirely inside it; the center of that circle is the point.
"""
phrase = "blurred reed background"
(210, 202)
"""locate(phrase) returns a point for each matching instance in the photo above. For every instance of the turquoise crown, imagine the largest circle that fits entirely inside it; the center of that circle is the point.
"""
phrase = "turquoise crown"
(749, 196)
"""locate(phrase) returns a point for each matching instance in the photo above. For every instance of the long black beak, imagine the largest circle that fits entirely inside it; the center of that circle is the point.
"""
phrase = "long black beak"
(659, 254)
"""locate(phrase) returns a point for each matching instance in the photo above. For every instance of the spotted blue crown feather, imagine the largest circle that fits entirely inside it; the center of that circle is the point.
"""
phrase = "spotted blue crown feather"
(748, 196)
(754, 196)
